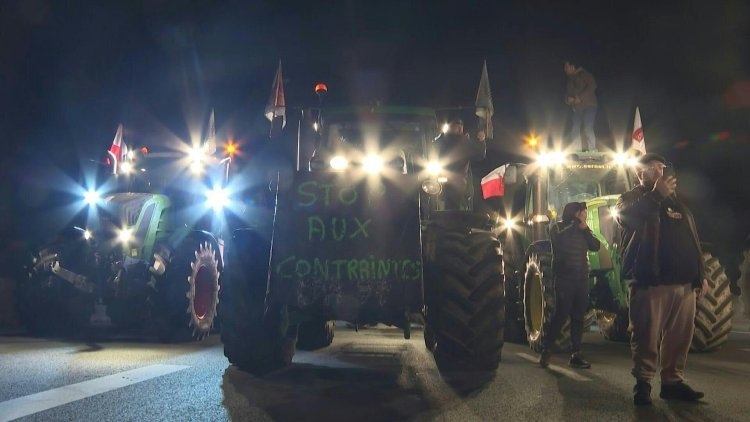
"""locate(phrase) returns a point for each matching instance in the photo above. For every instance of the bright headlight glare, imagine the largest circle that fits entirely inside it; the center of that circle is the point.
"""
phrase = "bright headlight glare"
(125, 236)
(509, 224)
(217, 198)
(196, 167)
(623, 159)
(339, 163)
(550, 159)
(434, 168)
(91, 197)
(613, 212)
(372, 164)
(87, 234)
(126, 167)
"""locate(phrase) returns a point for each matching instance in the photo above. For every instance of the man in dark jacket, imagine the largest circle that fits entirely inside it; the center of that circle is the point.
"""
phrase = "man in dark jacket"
(580, 95)
(663, 264)
(456, 151)
(571, 240)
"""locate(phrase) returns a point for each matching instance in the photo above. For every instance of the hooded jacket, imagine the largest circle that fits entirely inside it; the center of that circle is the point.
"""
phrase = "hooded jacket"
(569, 246)
(638, 215)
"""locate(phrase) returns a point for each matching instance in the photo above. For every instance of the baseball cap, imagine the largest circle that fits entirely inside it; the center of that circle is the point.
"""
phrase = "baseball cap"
(651, 156)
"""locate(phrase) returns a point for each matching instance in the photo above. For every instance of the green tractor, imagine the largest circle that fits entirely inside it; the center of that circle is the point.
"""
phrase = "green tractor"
(360, 237)
(139, 255)
(535, 194)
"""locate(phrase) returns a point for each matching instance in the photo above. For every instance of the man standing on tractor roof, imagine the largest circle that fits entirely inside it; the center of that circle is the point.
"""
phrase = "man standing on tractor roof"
(457, 150)
(663, 264)
(580, 95)
(571, 239)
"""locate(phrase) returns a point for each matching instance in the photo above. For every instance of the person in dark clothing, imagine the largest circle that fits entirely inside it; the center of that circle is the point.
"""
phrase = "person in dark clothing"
(457, 151)
(571, 240)
(580, 95)
(663, 264)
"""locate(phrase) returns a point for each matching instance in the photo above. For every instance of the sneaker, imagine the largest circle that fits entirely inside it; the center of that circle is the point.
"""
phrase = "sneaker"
(642, 394)
(576, 361)
(679, 391)
(544, 359)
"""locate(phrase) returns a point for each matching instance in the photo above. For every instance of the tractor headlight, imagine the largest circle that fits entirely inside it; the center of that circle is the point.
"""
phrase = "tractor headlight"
(509, 224)
(549, 159)
(217, 198)
(125, 236)
(372, 164)
(91, 197)
(339, 163)
(126, 167)
(197, 156)
(622, 159)
(434, 168)
(87, 235)
(432, 187)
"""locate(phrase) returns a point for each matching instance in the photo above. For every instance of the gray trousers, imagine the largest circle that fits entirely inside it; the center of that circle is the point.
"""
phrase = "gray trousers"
(662, 320)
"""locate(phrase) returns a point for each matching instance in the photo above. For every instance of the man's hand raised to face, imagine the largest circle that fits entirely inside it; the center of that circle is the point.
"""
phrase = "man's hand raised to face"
(666, 186)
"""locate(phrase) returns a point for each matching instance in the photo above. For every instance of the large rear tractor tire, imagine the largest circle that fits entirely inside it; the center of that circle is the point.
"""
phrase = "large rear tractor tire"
(189, 291)
(465, 313)
(257, 337)
(713, 314)
(315, 334)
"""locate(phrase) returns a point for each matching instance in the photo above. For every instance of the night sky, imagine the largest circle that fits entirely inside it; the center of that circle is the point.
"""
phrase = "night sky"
(71, 71)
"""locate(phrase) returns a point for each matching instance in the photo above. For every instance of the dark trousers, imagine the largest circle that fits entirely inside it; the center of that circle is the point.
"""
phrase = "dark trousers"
(571, 300)
(584, 117)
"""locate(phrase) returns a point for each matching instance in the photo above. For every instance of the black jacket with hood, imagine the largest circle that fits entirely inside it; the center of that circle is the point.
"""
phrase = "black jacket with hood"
(570, 244)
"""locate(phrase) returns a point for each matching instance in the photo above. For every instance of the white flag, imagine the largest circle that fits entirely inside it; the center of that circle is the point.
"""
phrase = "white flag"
(638, 140)
(276, 105)
(483, 104)
(210, 144)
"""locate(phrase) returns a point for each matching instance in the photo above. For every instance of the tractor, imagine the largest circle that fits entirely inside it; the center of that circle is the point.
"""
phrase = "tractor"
(140, 253)
(534, 195)
(360, 236)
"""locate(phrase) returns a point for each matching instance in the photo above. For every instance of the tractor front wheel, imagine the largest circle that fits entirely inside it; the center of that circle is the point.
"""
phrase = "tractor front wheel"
(465, 313)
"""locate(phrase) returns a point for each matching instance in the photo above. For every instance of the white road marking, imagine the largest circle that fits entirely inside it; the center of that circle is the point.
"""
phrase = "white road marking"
(745, 350)
(740, 332)
(559, 369)
(33, 403)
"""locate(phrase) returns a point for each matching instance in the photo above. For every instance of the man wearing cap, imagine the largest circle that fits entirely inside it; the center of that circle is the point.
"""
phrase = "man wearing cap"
(663, 264)
(457, 151)
(571, 240)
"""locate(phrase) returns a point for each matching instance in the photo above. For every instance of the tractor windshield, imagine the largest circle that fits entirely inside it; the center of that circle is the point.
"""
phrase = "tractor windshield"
(583, 182)
(388, 130)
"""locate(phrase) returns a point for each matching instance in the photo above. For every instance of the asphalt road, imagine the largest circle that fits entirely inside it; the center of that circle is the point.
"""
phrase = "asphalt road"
(373, 374)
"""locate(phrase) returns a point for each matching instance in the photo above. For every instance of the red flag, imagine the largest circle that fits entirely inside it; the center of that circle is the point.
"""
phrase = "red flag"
(493, 183)
(638, 140)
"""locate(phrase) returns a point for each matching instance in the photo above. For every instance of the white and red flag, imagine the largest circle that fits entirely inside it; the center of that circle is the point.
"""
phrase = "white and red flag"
(493, 183)
(638, 140)
(117, 150)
